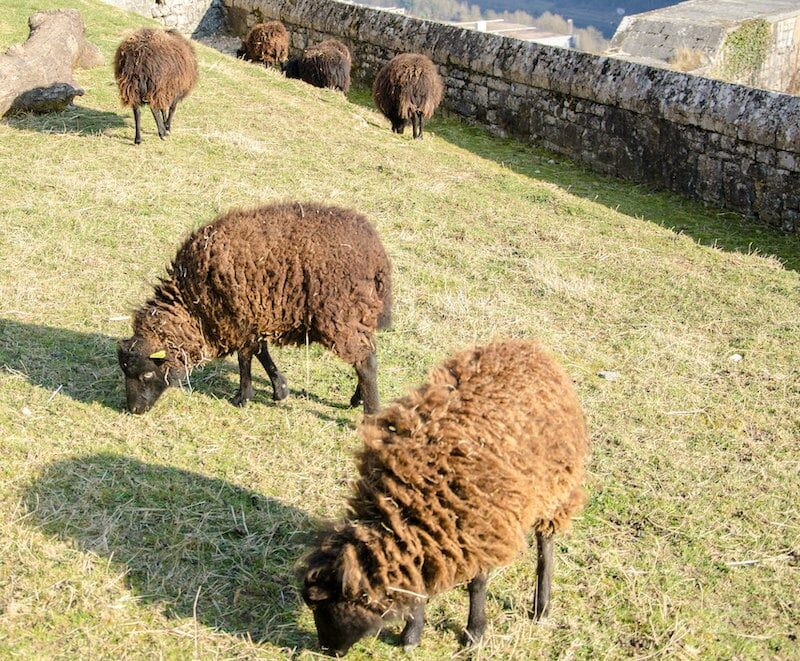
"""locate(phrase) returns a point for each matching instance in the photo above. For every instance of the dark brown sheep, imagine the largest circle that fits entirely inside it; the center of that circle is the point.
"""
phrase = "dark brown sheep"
(408, 88)
(452, 476)
(286, 273)
(267, 43)
(156, 67)
(326, 64)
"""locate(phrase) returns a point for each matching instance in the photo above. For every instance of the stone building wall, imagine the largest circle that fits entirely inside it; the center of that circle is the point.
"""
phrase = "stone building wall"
(728, 145)
(195, 17)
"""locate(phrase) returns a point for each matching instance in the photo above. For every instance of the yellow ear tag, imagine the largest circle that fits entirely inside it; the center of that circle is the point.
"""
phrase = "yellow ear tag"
(161, 354)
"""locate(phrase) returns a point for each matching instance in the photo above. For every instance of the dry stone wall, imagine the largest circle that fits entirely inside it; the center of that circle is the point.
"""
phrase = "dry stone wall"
(731, 146)
(195, 17)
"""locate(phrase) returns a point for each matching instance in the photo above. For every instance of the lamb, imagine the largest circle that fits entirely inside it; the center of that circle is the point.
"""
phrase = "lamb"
(156, 67)
(267, 43)
(451, 478)
(327, 64)
(408, 88)
(283, 273)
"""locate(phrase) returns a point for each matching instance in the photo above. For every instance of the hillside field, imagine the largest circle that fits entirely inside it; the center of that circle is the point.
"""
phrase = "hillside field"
(175, 534)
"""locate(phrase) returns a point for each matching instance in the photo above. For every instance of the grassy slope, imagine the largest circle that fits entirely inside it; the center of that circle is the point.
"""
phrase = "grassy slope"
(174, 534)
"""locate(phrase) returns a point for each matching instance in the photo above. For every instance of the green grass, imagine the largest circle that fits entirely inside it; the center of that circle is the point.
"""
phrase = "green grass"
(175, 534)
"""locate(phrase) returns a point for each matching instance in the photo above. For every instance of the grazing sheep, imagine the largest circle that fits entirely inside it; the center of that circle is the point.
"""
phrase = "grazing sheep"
(267, 43)
(451, 478)
(327, 64)
(156, 67)
(282, 273)
(408, 88)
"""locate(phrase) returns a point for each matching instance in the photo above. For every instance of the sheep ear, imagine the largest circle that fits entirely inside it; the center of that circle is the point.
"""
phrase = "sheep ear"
(314, 594)
(352, 575)
(161, 354)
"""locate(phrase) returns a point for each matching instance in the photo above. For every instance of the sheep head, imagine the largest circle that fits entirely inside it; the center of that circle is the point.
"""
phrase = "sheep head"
(146, 372)
(334, 589)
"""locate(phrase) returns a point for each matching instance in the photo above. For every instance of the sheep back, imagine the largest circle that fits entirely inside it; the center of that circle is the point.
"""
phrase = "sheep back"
(459, 470)
(407, 84)
(154, 67)
(285, 272)
(326, 64)
(267, 43)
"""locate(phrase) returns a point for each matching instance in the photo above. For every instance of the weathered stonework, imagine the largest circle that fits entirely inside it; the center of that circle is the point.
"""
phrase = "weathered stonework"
(195, 17)
(728, 145)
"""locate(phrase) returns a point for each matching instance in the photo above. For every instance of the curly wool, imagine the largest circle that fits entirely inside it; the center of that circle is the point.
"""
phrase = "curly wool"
(154, 67)
(453, 476)
(326, 64)
(267, 43)
(285, 272)
(408, 84)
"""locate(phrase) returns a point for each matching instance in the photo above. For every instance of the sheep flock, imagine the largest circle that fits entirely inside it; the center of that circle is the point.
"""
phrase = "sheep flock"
(451, 477)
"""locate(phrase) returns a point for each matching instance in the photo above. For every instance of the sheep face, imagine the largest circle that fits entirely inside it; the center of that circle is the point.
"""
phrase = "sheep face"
(291, 68)
(342, 624)
(341, 618)
(146, 373)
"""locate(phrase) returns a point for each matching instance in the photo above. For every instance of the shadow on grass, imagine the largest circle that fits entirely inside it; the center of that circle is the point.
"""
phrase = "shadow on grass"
(84, 366)
(712, 227)
(190, 544)
(74, 119)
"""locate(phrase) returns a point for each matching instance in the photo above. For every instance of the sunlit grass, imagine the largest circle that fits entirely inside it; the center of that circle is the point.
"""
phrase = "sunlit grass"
(175, 534)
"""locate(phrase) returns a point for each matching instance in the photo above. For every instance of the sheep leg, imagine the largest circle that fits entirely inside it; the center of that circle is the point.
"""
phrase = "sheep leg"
(544, 574)
(245, 392)
(168, 121)
(415, 126)
(476, 622)
(367, 387)
(412, 632)
(280, 390)
(159, 122)
(137, 119)
(420, 121)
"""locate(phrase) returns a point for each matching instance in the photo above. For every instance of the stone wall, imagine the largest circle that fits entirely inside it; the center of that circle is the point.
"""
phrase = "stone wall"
(195, 17)
(728, 145)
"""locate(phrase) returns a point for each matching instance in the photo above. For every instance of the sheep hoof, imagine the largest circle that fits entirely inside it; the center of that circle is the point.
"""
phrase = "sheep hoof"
(472, 637)
(355, 401)
(137, 141)
(280, 393)
(240, 400)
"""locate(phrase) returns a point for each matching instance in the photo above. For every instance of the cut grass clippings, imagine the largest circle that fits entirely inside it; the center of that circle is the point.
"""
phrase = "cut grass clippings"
(175, 534)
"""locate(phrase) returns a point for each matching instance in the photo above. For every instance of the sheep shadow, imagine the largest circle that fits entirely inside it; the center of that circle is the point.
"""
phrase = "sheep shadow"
(84, 367)
(79, 120)
(192, 545)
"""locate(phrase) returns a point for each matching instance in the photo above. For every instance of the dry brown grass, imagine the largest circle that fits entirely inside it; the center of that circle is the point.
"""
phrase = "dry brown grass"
(687, 59)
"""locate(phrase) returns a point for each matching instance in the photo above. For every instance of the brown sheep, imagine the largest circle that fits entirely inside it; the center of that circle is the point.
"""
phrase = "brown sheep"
(267, 43)
(156, 67)
(326, 64)
(408, 88)
(286, 273)
(452, 476)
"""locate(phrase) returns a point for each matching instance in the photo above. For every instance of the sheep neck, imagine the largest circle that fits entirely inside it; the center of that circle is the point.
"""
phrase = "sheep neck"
(165, 319)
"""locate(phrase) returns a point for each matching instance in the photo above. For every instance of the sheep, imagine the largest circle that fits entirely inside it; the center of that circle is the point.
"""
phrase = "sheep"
(287, 273)
(157, 67)
(451, 478)
(327, 64)
(267, 43)
(408, 88)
